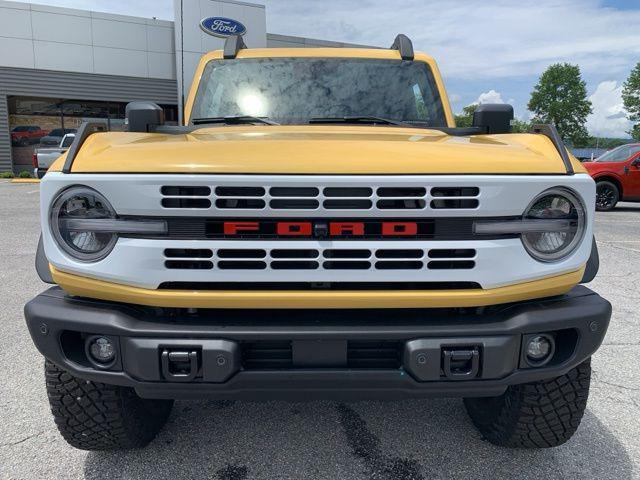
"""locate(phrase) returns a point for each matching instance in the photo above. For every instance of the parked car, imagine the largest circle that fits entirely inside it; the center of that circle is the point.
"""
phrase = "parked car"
(55, 136)
(24, 135)
(617, 176)
(44, 157)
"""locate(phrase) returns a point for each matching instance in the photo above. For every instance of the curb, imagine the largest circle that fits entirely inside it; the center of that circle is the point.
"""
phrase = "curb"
(25, 180)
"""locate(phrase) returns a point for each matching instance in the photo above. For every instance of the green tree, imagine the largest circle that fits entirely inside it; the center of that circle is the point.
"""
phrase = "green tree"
(631, 100)
(465, 119)
(560, 97)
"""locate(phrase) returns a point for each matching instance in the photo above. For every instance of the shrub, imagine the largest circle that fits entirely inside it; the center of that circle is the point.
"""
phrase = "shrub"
(6, 175)
(24, 174)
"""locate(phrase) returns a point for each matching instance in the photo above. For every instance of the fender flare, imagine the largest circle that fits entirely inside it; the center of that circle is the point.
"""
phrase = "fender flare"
(42, 264)
(593, 264)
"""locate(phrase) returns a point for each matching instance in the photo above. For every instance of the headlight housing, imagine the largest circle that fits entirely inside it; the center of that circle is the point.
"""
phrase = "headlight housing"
(559, 204)
(82, 203)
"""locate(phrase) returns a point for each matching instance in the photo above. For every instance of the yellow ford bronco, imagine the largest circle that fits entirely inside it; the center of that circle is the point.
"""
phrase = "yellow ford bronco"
(318, 228)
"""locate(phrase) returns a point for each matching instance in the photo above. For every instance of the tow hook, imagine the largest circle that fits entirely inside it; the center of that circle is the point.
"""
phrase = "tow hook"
(461, 364)
(179, 365)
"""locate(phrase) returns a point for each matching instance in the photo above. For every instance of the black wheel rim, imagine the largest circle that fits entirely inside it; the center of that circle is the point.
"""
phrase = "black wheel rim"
(605, 196)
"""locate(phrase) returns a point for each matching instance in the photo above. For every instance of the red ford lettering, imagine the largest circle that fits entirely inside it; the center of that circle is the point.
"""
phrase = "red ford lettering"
(399, 228)
(294, 228)
(346, 228)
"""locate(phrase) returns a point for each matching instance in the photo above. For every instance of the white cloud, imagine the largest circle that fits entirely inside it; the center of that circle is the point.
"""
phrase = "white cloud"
(490, 97)
(511, 38)
(609, 117)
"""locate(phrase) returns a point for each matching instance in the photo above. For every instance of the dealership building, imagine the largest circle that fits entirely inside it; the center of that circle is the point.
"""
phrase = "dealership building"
(60, 67)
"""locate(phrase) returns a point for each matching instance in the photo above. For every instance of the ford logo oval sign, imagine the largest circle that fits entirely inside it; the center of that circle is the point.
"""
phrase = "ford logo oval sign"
(222, 26)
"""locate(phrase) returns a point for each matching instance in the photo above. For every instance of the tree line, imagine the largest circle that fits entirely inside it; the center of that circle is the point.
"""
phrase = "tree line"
(560, 97)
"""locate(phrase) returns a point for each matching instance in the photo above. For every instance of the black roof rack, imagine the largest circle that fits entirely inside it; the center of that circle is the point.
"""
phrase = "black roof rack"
(550, 131)
(232, 45)
(403, 44)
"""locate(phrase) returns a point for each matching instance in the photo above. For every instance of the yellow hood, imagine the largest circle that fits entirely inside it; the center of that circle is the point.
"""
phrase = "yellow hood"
(317, 150)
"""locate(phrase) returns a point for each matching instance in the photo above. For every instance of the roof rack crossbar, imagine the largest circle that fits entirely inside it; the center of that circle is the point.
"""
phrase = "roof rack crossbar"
(232, 45)
(403, 44)
(85, 130)
(549, 130)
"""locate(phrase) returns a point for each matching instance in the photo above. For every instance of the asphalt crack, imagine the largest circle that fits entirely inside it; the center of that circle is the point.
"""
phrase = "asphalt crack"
(366, 446)
(11, 444)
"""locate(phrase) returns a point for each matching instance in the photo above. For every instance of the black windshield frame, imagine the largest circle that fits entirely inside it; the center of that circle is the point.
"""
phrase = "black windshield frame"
(293, 90)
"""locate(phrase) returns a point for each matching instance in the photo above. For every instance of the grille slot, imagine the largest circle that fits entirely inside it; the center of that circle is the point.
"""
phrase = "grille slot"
(451, 265)
(454, 204)
(402, 191)
(345, 253)
(188, 253)
(294, 265)
(346, 265)
(241, 203)
(241, 253)
(241, 265)
(452, 253)
(373, 354)
(299, 253)
(178, 191)
(455, 192)
(272, 355)
(177, 202)
(294, 192)
(294, 204)
(349, 204)
(188, 264)
(348, 192)
(239, 191)
(401, 204)
(404, 253)
(399, 265)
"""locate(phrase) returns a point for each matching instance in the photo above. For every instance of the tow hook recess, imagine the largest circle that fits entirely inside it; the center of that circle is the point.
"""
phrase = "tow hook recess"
(460, 364)
(179, 365)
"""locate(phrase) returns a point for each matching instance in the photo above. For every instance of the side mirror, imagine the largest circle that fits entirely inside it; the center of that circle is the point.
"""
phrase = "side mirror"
(143, 116)
(493, 117)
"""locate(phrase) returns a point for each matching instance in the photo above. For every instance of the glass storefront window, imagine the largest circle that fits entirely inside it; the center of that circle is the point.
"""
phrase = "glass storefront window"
(37, 122)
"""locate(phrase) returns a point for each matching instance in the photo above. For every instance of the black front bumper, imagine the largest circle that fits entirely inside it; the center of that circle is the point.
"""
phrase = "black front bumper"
(312, 354)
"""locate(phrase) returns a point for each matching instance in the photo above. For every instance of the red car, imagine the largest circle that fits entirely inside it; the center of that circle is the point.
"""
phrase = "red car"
(24, 135)
(617, 176)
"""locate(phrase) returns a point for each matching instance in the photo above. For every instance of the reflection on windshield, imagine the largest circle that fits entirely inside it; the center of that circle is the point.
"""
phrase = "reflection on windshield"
(295, 90)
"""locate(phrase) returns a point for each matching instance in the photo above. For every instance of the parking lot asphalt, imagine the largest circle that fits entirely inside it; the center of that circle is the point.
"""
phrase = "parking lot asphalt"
(426, 439)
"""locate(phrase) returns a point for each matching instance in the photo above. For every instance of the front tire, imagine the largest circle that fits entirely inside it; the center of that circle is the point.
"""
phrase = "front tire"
(97, 416)
(607, 195)
(534, 415)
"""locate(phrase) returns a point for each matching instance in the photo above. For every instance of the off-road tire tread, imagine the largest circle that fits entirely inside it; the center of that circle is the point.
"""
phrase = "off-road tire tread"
(97, 416)
(534, 415)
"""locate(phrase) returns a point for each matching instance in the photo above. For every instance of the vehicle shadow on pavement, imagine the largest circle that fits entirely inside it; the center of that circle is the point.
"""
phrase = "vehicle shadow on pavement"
(413, 439)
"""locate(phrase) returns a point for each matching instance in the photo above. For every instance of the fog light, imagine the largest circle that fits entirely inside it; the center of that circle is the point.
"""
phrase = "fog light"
(102, 349)
(539, 348)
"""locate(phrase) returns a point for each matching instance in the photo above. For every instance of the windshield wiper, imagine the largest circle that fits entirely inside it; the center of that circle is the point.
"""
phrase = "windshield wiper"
(233, 120)
(358, 119)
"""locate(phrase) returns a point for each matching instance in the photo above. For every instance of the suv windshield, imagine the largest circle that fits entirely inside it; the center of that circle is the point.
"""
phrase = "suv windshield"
(619, 154)
(296, 90)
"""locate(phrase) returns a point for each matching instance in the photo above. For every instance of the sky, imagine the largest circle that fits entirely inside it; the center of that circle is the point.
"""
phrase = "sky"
(487, 50)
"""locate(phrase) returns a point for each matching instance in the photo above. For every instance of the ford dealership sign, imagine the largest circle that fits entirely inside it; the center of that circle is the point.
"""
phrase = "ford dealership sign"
(222, 26)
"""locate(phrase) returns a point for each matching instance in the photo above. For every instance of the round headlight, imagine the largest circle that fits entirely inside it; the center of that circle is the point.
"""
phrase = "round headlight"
(555, 204)
(81, 203)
